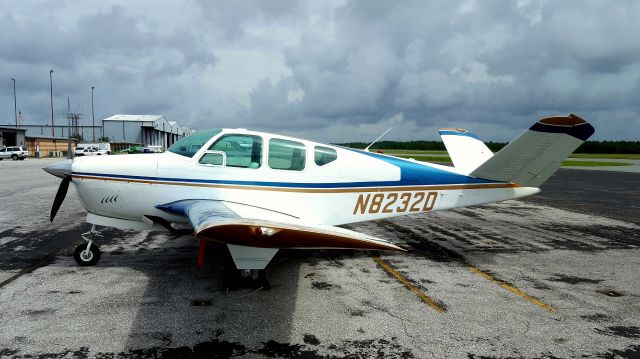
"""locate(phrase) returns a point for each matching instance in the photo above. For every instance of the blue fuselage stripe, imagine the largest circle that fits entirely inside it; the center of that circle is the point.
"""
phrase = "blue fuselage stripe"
(423, 182)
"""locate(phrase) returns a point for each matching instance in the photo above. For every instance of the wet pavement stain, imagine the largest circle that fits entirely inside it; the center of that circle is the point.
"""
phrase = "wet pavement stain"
(39, 311)
(311, 339)
(324, 286)
(610, 237)
(621, 331)
(597, 318)
(274, 349)
(543, 356)
(573, 280)
(632, 352)
(424, 246)
(611, 293)
(218, 348)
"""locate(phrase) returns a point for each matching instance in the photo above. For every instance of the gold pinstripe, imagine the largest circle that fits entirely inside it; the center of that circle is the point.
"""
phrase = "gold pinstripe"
(309, 190)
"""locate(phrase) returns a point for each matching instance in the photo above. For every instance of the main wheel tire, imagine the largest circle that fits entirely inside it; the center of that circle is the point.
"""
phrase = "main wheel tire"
(14, 157)
(86, 260)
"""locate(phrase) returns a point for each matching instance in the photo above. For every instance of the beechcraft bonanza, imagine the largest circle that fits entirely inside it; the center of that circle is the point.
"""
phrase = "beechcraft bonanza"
(259, 192)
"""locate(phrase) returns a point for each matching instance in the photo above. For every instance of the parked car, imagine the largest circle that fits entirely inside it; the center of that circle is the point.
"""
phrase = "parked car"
(15, 153)
(103, 147)
(79, 150)
(83, 150)
(92, 151)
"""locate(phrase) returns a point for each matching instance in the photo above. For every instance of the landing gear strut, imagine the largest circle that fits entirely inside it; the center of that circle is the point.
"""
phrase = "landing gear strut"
(88, 254)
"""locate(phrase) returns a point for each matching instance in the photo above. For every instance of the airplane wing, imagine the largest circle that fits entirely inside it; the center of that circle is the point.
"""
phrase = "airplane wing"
(215, 220)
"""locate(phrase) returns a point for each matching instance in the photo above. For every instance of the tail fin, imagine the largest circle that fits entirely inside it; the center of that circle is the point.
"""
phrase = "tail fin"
(466, 150)
(536, 154)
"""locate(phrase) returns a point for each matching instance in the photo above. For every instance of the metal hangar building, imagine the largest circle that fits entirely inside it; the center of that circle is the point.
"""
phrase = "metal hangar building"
(152, 130)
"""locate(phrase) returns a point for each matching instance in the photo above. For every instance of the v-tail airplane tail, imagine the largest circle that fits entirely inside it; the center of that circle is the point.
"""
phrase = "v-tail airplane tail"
(529, 160)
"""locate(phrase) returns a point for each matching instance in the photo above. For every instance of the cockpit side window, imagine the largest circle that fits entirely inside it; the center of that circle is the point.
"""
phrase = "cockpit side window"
(324, 155)
(286, 155)
(190, 145)
(243, 151)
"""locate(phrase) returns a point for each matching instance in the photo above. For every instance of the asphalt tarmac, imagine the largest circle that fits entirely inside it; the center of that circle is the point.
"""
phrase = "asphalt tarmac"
(552, 276)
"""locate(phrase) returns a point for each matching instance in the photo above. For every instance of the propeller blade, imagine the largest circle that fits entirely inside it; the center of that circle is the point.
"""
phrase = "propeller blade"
(62, 192)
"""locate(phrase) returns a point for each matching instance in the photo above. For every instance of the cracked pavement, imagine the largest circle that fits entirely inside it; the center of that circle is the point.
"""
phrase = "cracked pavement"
(139, 301)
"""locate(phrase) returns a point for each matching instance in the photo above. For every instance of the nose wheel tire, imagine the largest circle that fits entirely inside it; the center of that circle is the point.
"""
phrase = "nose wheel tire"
(86, 257)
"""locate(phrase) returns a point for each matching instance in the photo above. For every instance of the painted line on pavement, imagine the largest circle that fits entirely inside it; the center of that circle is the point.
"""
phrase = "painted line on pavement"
(511, 288)
(402, 279)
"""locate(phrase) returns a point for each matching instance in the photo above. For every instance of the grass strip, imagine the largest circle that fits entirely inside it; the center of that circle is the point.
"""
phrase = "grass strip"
(429, 158)
(623, 156)
(422, 152)
(594, 164)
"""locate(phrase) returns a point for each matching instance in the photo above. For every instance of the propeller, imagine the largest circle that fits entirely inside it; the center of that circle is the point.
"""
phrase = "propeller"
(62, 192)
(60, 169)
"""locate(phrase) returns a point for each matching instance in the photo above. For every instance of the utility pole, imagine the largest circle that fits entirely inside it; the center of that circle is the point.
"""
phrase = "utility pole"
(93, 116)
(74, 118)
(15, 106)
(53, 125)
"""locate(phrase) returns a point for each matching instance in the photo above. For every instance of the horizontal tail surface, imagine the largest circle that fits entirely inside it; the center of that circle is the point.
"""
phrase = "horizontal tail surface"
(466, 150)
(536, 154)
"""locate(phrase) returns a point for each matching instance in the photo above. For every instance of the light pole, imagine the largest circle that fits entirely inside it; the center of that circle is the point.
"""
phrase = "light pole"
(15, 112)
(93, 117)
(53, 126)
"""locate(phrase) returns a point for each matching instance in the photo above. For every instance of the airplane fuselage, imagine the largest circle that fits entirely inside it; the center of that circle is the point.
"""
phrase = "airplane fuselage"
(350, 186)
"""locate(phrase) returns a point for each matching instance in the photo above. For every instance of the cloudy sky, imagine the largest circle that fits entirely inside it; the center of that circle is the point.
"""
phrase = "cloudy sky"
(328, 70)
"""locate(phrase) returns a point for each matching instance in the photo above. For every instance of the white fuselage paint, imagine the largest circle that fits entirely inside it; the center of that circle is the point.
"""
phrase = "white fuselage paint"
(128, 187)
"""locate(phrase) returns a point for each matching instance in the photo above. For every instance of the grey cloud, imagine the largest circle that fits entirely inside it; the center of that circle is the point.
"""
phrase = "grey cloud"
(230, 16)
(334, 69)
(497, 62)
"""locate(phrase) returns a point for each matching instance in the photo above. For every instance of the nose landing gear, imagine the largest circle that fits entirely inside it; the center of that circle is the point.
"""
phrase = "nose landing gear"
(88, 254)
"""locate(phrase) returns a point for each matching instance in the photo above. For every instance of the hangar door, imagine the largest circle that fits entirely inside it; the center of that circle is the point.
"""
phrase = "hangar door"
(8, 139)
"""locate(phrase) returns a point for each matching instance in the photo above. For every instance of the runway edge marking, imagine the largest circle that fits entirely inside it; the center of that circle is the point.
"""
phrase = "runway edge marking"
(425, 298)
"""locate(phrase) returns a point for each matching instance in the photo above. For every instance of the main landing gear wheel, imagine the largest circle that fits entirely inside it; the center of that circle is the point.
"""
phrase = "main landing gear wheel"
(86, 254)
(253, 274)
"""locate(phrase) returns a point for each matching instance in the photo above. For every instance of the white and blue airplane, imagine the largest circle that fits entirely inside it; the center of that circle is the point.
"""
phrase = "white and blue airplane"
(258, 192)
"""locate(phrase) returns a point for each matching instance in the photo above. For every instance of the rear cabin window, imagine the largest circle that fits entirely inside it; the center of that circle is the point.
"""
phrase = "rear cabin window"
(243, 151)
(286, 155)
(323, 155)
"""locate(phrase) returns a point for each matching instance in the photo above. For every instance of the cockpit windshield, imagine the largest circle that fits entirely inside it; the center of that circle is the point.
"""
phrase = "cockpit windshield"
(189, 145)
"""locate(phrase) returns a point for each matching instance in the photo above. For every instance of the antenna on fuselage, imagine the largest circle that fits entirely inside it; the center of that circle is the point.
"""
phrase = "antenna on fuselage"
(376, 140)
